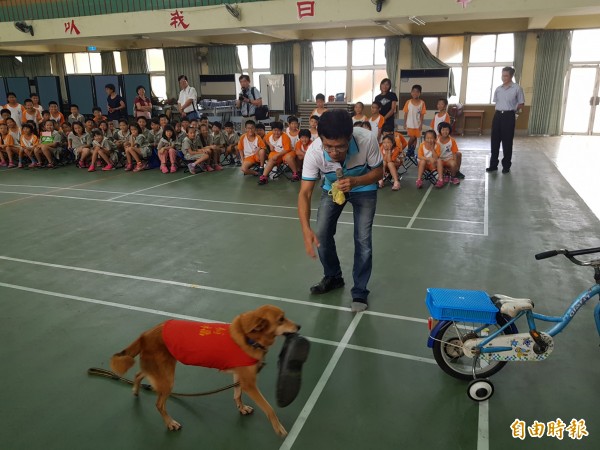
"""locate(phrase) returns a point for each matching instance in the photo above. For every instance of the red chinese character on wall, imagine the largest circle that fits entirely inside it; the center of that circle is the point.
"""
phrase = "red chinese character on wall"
(306, 9)
(70, 27)
(177, 20)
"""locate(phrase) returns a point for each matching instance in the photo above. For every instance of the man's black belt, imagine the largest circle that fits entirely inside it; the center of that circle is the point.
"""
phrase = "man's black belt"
(505, 111)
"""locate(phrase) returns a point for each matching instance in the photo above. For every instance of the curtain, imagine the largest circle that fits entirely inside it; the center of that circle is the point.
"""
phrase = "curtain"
(423, 59)
(38, 65)
(59, 68)
(282, 57)
(551, 65)
(223, 60)
(108, 63)
(136, 61)
(392, 52)
(520, 39)
(181, 61)
(306, 69)
(10, 67)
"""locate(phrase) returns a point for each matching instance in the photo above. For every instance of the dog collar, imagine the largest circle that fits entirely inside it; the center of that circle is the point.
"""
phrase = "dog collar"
(254, 344)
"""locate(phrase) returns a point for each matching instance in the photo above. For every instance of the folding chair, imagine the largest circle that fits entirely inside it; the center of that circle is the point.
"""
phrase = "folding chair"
(430, 175)
(281, 170)
(283, 117)
(183, 163)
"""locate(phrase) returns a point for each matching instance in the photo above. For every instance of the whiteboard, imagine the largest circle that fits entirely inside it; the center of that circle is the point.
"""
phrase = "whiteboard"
(272, 89)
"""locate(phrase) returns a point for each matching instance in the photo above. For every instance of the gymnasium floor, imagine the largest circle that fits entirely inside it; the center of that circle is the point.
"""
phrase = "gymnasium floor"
(88, 261)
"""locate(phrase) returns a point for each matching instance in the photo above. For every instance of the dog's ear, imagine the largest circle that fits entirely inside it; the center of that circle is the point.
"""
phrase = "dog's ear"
(251, 321)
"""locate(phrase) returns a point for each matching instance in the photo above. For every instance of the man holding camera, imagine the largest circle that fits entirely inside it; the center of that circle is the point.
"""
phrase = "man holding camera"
(188, 98)
(248, 100)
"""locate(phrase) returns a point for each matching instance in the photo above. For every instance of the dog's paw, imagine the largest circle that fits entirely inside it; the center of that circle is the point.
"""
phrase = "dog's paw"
(245, 410)
(173, 425)
(281, 431)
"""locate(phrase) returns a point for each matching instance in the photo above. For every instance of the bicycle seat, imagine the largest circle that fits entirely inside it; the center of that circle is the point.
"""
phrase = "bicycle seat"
(512, 306)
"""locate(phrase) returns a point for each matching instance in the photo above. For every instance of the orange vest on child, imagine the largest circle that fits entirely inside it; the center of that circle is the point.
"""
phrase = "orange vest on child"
(204, 344)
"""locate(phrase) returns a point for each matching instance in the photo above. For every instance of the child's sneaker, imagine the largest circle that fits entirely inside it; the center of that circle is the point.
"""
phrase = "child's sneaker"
(419, 184)
(139, 167)
(208, 168)
(11, 165)
(50, 166)
(128, 167)
(163, 168)
(218, 167)
(33, 165)
(98, 164)
(3, 164)
(92, 168)
(20, 166)
(263, 180)
(108, 167)
(173, 168)
(446, 178)
(455, 180)
(295, 176)
(439, 184)
(192, 168)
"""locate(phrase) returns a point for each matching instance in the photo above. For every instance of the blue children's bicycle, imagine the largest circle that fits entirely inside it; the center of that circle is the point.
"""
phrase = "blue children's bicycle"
(474, 335)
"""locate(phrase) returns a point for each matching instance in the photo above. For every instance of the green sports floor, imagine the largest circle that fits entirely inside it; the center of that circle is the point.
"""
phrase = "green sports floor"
(89, 261)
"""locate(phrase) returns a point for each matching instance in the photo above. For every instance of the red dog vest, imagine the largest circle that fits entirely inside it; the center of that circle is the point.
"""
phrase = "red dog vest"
(204, 344)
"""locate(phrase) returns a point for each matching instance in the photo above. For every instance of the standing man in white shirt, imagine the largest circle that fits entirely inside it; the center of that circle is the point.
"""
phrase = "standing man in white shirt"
(509, 99)
(248, 100)
(188, 99)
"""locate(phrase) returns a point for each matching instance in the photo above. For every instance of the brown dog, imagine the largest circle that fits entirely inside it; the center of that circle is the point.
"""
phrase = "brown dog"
(238, 348)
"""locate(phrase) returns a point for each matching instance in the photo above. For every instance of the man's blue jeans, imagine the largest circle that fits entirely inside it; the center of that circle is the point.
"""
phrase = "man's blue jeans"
(364, 204)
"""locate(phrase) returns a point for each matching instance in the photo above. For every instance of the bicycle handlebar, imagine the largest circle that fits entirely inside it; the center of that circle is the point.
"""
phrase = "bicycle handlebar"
(570, 254)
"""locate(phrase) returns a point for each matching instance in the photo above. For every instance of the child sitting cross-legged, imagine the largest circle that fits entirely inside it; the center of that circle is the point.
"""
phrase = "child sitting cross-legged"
(190, 150)
(429, 158)
(281, 151)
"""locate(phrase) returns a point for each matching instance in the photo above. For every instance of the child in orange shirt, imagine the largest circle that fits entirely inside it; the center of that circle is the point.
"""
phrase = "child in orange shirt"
(252, 150)
(302, 146)
(450, 156)
(29, 142)
(30, 113)
(393, 158)
(7, 147)
(281, 151)
(441, 116)
(55, 114)
(414, 112)
(429, 158)
(376, 120)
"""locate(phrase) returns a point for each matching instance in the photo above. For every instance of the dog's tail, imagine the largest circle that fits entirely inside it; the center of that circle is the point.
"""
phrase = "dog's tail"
(123, 361)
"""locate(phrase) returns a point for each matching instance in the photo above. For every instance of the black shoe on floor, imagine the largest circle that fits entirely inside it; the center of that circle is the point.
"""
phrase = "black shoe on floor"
(491, 169)
(505, 170)
(460, 175)
(293, 355)
(327, 284)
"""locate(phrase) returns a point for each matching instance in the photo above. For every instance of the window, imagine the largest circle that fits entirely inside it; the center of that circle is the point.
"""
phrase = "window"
(156, 67)
(83, 63)
(581, 50)
(368, 68)
(330, 67)
(489, 54)
(118, 67)
(449, 50)
(255, 61)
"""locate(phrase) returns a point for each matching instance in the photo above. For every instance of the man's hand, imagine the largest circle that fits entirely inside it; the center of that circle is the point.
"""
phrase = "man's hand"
(345, 184)
(310, 242)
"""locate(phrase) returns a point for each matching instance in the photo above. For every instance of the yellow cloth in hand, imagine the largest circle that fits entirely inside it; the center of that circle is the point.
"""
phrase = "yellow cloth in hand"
(337, 195)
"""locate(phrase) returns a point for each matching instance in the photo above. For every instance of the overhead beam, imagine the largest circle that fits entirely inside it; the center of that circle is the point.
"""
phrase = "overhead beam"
(539, 21)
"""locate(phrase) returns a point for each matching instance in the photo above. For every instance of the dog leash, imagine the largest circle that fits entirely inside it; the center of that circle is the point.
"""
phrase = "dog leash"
(108, 374)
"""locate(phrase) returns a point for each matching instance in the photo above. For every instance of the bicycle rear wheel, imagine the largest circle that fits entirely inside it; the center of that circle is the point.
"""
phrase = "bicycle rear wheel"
(449, 355)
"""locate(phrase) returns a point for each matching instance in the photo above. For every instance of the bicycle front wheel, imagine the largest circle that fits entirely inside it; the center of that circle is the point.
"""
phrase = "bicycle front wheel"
(448, 349)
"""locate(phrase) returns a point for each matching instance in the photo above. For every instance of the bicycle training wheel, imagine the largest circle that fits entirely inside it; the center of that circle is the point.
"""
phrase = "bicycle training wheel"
(449, 355)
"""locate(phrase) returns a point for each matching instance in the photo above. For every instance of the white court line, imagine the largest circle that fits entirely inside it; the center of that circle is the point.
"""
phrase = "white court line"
(316, 393)
(222, 201)
(483, 426)
(158, 312)
(486, 205)
(206, 288)
(151, 187)
(189, 208)
(414, 216)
